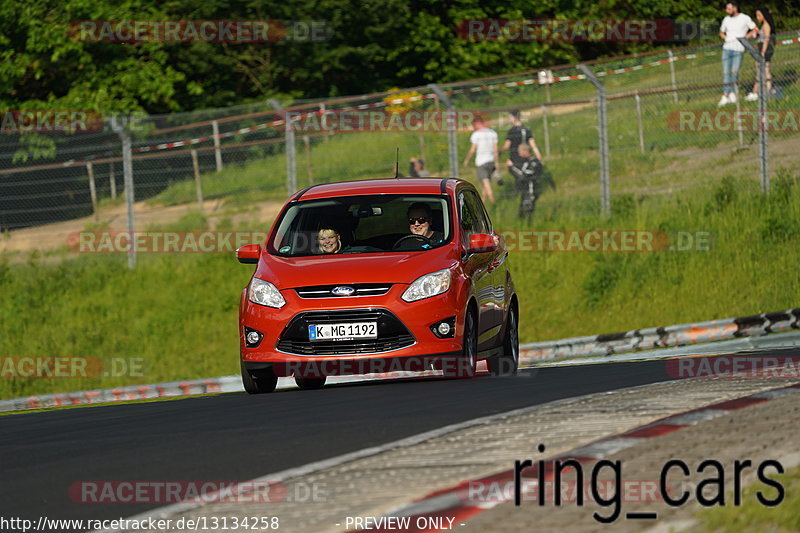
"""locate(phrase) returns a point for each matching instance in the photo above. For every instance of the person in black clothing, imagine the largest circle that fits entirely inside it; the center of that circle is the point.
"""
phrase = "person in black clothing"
(416, 168)
(420, 217)
(516, 136)
(526, 175)
(766, 46)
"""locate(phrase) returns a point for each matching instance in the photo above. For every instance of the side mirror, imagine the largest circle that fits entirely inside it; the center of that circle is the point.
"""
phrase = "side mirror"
(481, 242)
(249, 253)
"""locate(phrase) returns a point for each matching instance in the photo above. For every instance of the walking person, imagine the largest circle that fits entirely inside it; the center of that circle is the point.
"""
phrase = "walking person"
(734, 26)
(517, 135)
(484, 147)
(526, 172)
(766, 39)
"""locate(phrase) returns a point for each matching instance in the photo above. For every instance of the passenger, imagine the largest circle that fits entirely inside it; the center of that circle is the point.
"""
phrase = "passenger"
(329, 241)
(420, 217)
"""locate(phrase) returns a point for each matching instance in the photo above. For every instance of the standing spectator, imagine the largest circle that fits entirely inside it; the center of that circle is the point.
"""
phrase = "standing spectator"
(517, 135)
(484, 146)
(526, 175)
(766, 38)
(733, 26)
(416, 168)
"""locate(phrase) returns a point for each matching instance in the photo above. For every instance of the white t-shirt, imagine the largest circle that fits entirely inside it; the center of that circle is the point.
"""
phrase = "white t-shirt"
(735, 27)
(485, 140)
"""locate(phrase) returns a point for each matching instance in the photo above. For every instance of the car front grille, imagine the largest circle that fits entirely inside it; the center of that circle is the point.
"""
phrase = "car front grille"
(392, 334)
(360, 289)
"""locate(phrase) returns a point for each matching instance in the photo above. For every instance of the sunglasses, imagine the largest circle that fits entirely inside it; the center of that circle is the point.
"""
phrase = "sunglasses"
(417, 220)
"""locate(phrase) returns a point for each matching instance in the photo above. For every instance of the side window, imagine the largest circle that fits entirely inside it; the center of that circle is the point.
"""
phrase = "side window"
(487, 222)
(466, 213)
(478, 221)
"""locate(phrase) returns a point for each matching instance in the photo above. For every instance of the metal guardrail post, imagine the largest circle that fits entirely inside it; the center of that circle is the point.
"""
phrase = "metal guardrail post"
(451, 130)
(291, 163)
(763, 140)
(602, 122)
(120, 127)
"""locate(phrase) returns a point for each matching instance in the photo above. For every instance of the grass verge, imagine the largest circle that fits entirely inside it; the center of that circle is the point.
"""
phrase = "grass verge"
(752, 515)
(178, 312)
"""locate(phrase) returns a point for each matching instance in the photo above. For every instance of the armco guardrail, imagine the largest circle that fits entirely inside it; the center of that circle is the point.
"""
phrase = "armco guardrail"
(661, 337)
(594, 345)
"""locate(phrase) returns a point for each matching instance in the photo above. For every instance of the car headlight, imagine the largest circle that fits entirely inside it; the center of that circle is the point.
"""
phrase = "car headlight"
(265, 293)
(428, 285)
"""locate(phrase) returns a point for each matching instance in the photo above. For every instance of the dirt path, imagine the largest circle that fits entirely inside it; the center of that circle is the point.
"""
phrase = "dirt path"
(114, 218)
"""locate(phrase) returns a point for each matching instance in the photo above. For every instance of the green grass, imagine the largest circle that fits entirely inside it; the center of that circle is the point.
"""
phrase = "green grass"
(754, 517)
(573, 137)
(179, 312)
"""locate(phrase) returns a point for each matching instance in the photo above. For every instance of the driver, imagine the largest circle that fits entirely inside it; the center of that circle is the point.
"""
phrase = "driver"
(329, 241)
(419, 222)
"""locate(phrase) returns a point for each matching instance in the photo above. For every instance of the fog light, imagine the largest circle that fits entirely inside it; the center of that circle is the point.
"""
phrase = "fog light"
(252, 337)
(444, 329)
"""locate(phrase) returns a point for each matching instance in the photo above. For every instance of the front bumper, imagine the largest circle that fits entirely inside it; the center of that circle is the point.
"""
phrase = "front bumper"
(405, 337)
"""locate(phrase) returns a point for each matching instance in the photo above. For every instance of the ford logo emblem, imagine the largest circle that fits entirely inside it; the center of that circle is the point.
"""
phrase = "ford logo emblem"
(342, 291)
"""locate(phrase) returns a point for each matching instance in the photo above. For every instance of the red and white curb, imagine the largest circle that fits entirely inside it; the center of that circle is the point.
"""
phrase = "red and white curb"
(454, 502)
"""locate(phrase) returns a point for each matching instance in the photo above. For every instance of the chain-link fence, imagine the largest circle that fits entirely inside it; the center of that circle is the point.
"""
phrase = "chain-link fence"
(662, 126)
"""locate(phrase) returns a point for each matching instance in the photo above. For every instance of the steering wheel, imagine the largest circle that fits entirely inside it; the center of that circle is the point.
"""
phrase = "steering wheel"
(423, 238)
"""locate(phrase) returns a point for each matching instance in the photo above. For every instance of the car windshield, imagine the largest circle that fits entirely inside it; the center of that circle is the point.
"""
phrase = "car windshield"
(363, 224)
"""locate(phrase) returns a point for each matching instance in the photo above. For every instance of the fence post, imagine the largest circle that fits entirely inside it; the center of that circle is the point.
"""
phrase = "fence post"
(639, 119)
(112, 180)
(605, 189)
(309, 166)
(546, 78)
(217, 150)
(451, 129)
(672, 76)
(197, 185)
(739, 130)
(546, 131)
(92, 189)
(291, 164)
(127, 172)
(763, 140)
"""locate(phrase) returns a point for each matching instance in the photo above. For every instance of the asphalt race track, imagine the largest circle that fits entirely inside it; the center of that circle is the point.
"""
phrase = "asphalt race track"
(237, 437)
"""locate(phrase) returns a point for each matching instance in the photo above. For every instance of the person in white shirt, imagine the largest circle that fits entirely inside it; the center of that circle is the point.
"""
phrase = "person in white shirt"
(734, 26)
(484, 146)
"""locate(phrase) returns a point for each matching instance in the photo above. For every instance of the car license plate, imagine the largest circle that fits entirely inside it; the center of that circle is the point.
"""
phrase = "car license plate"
(343, 332)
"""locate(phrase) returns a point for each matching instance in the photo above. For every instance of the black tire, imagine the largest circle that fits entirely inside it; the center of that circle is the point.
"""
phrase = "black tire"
(507, 363)
(468, 362)
(258, 381)
(310, 383)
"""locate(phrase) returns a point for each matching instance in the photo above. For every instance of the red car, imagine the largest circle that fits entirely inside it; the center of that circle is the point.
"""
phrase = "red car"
(377, 276)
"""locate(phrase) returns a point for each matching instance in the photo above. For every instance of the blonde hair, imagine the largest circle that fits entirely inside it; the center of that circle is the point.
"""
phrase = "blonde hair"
(329, 232)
